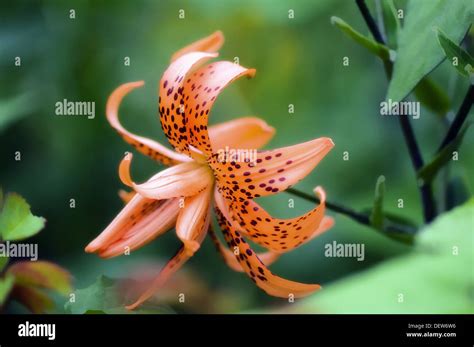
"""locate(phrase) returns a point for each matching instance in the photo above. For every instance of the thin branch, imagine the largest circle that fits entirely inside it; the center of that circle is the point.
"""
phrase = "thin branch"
(374, 29)
(460, 118)
(359, 217)
(428, 201)
(429, 208)
(415, 155)
(427, 197)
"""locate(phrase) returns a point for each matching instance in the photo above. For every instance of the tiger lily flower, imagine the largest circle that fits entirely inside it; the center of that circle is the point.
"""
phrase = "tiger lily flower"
(197, 181)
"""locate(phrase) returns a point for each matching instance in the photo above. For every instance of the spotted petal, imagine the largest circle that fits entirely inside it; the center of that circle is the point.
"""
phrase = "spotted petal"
(272, 172)
(200, 91)
(279, 235)
(256, 269)
(172, 99)
(229, 257)
(144, 145)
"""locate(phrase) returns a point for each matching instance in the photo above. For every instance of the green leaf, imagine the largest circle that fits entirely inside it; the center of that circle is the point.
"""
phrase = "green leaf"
(34, 299)
(16, 220)
(6, 284)
(435, 278)
(42, 274)
(391, 22)
(30, 280)
(373, 46)
(382, 222)
(433, 97)
(428, 172)
(418, 50)
(459, 58)
(3, 263)
(376, 217)
(104, 296)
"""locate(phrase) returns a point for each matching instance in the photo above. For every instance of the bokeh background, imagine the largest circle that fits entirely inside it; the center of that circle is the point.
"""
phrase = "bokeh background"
(298, 61)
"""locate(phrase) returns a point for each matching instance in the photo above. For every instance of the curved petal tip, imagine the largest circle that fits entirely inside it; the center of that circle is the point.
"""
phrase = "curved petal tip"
(124, 170)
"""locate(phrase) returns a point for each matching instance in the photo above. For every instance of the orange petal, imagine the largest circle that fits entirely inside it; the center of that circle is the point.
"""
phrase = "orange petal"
(121, 223)
(172, 100)
(143, 145)
(126, 196)
(273, 171)
(279, 235)
(193, 220)
(191, 228)
(267, 258)
(186, 179)
(256, 270)
(159, 222)
(175, 263)
(200, 92)
(211, 43)
(242, 133)
(136, 214)
(326, 224)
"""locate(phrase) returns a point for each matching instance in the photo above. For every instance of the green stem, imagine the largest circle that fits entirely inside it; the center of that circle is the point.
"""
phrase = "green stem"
(426, 191)
(459, 120)
(361, 218)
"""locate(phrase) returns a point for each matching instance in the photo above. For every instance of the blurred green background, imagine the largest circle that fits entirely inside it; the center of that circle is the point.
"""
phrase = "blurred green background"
(298, 61)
